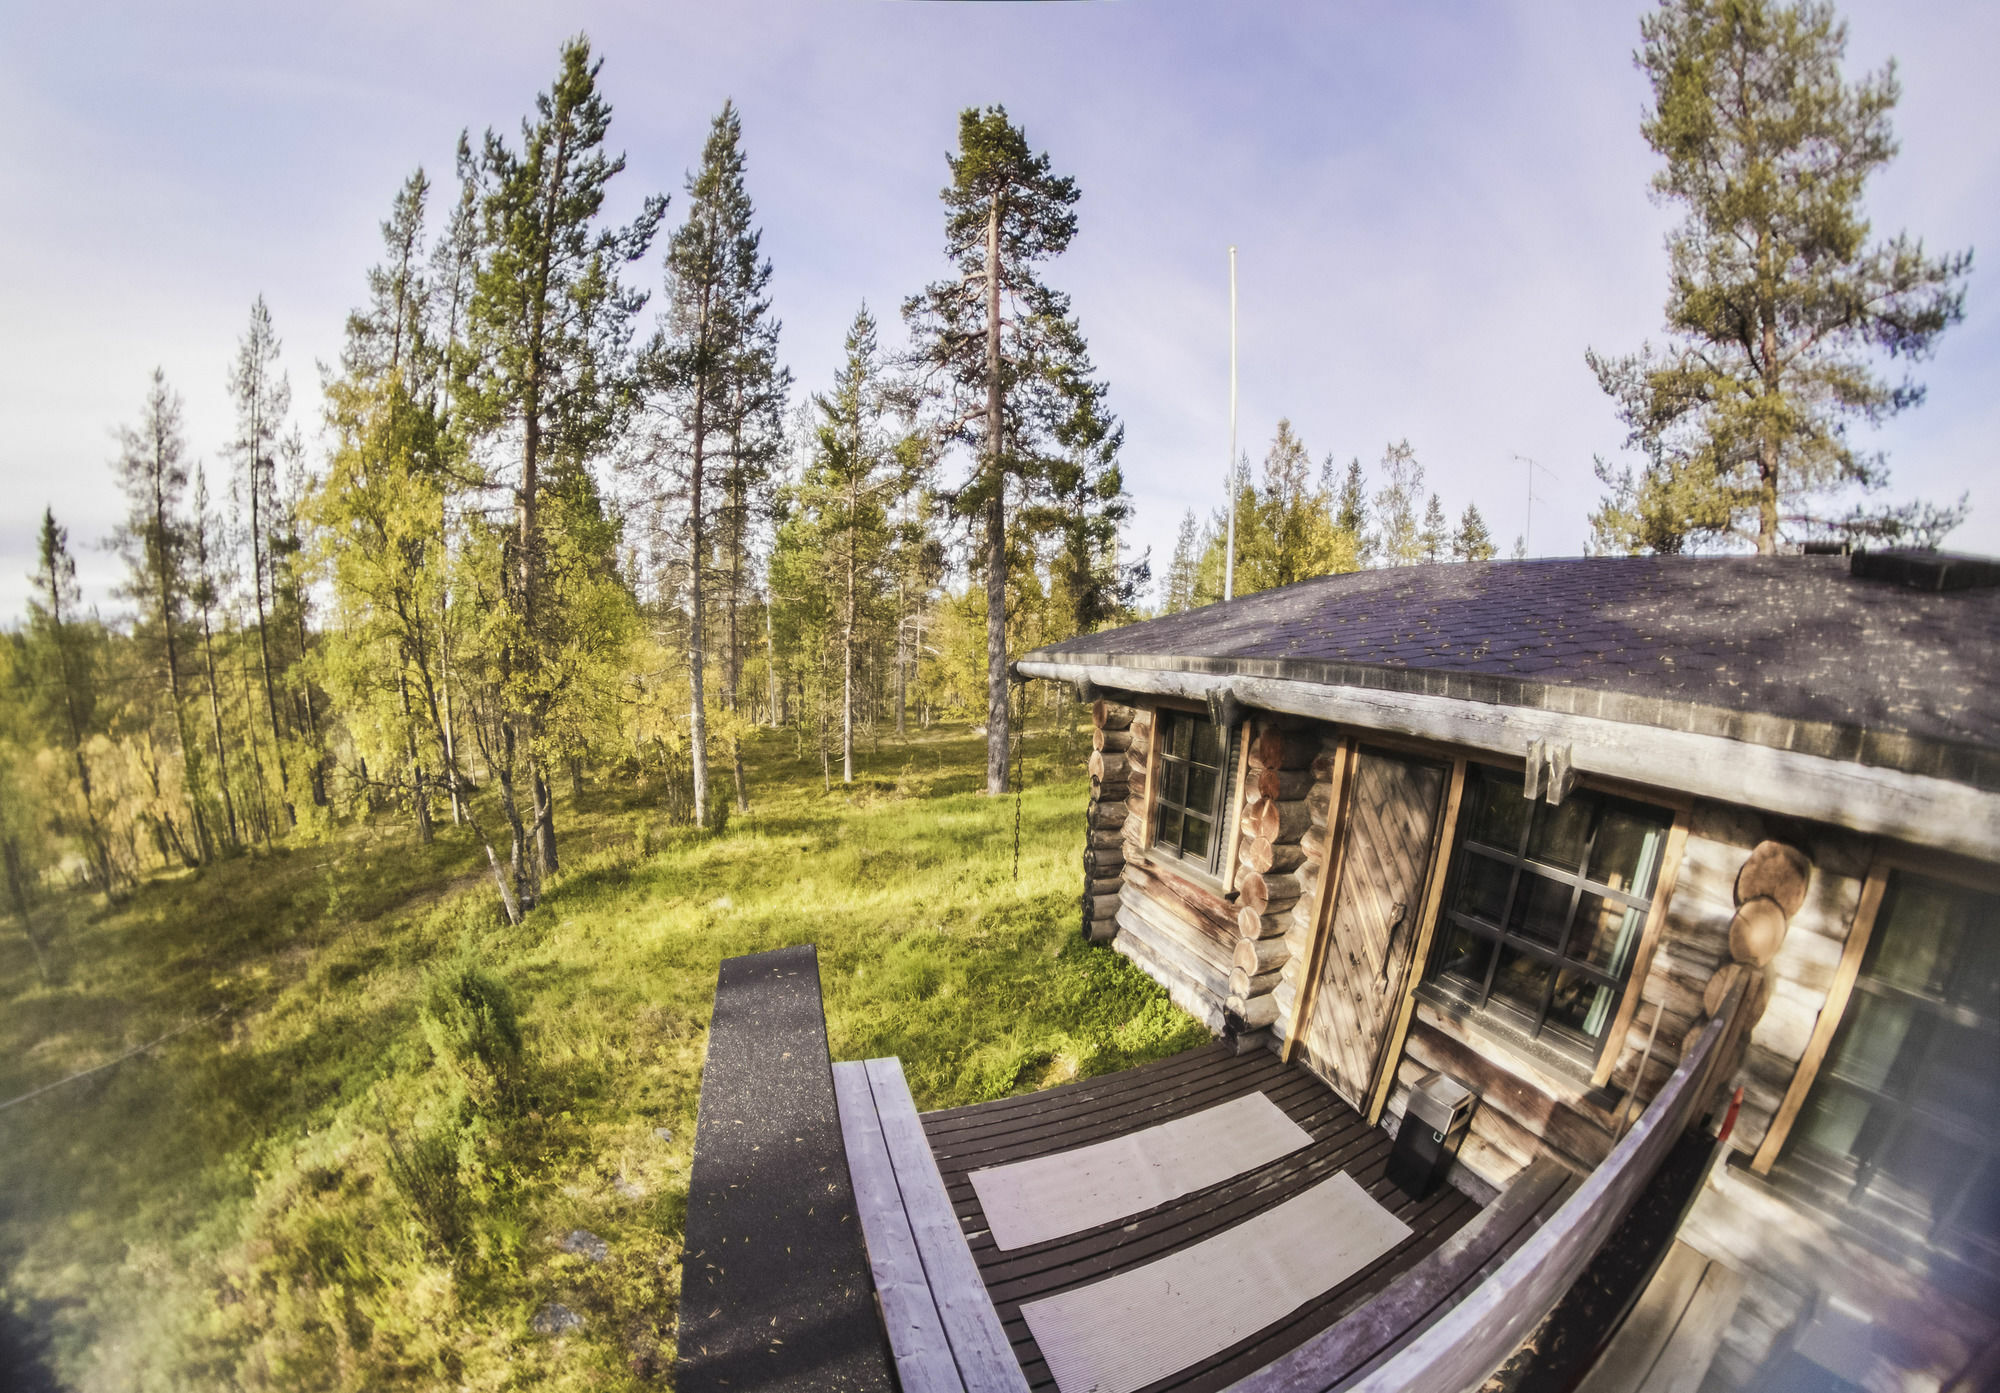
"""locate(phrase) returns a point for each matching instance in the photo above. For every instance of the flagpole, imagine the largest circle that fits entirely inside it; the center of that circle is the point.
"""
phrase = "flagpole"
(1229, 474)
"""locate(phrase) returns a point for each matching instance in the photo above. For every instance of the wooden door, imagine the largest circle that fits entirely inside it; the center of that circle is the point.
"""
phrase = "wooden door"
(1391, 820)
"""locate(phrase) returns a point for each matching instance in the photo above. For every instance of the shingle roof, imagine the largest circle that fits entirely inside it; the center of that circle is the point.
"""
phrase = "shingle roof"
(1794, 637)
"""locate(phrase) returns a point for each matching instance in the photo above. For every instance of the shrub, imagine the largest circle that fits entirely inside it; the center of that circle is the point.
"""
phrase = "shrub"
(470, 1023)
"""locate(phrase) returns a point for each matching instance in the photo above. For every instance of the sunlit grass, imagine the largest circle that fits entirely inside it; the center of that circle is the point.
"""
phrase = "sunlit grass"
(236, 1207)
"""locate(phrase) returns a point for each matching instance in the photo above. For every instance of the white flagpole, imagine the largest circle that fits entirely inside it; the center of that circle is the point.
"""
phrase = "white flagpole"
(1229, 475)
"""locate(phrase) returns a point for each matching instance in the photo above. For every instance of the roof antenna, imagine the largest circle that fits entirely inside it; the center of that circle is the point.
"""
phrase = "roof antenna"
(1229, 475)
(1528, 536)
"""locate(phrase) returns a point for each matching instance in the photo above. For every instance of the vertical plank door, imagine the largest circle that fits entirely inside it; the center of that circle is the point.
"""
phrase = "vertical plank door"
(1365, 962)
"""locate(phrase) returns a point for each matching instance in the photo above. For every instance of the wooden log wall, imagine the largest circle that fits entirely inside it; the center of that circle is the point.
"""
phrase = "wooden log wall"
(1273, 874)
(1119, 738)
(1307, 859)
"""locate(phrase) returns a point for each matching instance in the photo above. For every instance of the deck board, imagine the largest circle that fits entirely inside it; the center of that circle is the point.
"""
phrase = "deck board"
(1060, 1119)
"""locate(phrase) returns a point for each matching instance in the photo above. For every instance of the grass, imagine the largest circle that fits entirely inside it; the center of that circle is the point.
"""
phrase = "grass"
(357, 1170)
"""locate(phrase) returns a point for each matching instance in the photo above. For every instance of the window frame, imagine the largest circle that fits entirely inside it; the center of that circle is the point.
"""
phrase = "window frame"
(1538, 1032)
(1220, 820)
(1841, 1180)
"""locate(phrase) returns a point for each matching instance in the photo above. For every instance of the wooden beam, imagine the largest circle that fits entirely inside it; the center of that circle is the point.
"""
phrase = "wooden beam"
(1241, 784)
(909, 1312)
(1442, 843)
(1323, 893)
(1829, 1018)
(1642, 956)
(979, 1344)
(1152, 782)
(1917, 808)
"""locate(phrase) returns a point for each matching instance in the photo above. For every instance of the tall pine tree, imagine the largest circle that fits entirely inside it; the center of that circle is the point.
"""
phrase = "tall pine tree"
(1778, 299)
(998, 352)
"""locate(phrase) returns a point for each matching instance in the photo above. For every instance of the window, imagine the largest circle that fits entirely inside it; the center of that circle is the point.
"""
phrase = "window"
(1193, 784)
(1546, 907)
(1902, 1116)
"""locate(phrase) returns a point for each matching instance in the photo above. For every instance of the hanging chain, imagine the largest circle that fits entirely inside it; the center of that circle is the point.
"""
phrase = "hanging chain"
(1020, 724)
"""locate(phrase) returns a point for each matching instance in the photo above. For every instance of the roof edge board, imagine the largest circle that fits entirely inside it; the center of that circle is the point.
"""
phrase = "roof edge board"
(1954, 762)
(1917, 808)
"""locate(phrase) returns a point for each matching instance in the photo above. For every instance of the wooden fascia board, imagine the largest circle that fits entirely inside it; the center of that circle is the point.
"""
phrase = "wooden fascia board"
(1913, 808)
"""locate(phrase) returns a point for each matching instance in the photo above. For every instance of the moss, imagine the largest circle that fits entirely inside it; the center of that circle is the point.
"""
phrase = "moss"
(358, 1173)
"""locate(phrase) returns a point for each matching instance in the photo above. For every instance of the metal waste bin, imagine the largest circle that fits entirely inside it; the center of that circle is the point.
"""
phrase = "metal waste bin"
(1427, 1143)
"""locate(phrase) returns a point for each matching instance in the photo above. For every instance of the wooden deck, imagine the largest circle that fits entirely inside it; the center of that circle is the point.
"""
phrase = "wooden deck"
(1058, 1119)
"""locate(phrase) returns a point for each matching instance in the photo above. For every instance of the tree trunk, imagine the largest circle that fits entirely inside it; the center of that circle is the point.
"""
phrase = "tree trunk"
(17, 888)
(996, 528)
(215, 720)
(847, 630)
(697, 702)
(191, 787)
(545, 821)
(771, 659)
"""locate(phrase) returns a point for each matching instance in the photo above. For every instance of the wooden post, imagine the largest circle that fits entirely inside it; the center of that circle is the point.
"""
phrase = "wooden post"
(1329, 880)
(1642, 956)
(1829, 1018)
(1231, 847)
(1420, 951)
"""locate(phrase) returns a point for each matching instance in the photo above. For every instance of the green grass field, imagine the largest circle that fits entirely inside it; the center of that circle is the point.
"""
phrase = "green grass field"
(356, 1169)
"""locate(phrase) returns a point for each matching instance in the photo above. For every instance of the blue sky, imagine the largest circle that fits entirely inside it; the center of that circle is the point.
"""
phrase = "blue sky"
(1438, 208)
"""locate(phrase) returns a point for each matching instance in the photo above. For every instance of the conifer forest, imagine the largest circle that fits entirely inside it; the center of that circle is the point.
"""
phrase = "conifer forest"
(369, 855)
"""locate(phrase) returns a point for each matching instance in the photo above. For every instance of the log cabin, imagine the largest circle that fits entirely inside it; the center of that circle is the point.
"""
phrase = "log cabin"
(1535, 826)
(1681, 874)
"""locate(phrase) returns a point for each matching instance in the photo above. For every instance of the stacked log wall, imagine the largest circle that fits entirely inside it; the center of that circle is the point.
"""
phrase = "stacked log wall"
(1119, 740)
(1274, 876)
(1311, 852)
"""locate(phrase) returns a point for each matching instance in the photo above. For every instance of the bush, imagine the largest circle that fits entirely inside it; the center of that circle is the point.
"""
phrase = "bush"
(425, 1169)
(470, 1023)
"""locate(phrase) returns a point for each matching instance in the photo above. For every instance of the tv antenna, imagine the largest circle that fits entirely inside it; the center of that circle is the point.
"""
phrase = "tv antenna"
(1528, 534)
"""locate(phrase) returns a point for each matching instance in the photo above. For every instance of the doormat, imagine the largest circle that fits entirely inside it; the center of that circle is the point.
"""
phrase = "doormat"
(1138, 1327)
(1049, 1196)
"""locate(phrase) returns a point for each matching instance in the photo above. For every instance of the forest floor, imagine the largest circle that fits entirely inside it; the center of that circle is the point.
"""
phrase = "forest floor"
(341, 1174)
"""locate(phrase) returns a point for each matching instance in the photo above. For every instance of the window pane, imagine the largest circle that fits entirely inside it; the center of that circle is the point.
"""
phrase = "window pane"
(1194, 841)
(1561, 832)
(1627, 852)
(1605, 933)
(1177, 737)
(1961, 1078)
(1870, 1039)
(1540, 908)
(1980, 1214)
(1466, 955)
(1176, 789)
(1482, 888)
(1170, 826)
(1201, 789)
(1976, 984)
(1917, 955)
(1519, 981)
(1581, 1005)
(1927, 1167)
(1503, 812)
(1833, 1121)
(1206, 743)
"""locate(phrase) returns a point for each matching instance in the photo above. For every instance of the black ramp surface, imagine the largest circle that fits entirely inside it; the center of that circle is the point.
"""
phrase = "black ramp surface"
(775, 1287)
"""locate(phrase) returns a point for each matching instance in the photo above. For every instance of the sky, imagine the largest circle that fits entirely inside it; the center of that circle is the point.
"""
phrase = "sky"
(1437, 210)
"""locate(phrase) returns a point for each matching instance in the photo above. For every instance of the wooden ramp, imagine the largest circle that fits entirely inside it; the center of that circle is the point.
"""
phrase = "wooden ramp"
(941, 1323)
(1669, 1340)
(774, 1278)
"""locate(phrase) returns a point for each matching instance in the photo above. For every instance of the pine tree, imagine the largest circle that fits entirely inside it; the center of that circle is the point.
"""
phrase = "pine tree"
(549, 380)
(997, 350)
(263, 395)
(1178, 591)
(1778, 298)
(1085, 509)
(847, 491)
(1472, 542)
(152, 470)
(205, 595)
(1436, 535)
(1351, 514)
(716, 362)
(64, 670)
(1398, 541)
